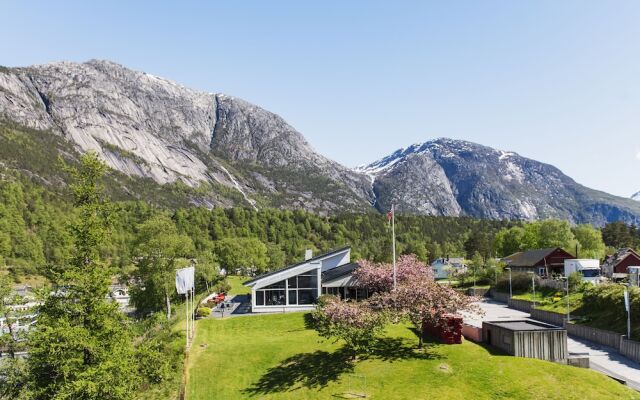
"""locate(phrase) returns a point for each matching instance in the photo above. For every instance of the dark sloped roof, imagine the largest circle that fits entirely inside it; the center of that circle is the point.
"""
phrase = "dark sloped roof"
(619, 256)
(339, 271)
(318, 257)
(530, 258)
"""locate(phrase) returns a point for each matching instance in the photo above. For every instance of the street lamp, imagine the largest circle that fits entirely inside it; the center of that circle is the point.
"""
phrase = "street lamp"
(566, 278)
(533, 286)
(627, 306)
(510, 290)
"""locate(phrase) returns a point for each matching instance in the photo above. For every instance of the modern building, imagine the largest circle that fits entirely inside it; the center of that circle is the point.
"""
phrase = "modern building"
(616, 265)
(527, 338)
(543, 262)
(445, 267)
(297, 287)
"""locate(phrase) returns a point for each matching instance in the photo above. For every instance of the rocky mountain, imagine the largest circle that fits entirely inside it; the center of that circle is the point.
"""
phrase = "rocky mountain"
(636, 196)
(173, 145)
(455, 177)
(151, 128)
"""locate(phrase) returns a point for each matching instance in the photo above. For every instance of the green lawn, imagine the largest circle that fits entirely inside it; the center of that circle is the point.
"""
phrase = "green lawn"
(280, 357)
(236, 284)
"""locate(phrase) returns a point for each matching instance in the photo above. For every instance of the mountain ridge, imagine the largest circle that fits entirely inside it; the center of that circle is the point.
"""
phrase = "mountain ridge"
(151, 128)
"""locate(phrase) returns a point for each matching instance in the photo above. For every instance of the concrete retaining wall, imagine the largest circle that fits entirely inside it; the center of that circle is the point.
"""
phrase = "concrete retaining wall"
(520, 305)
(548, 316)
(630, 348)
(605, 338)
(499, 296)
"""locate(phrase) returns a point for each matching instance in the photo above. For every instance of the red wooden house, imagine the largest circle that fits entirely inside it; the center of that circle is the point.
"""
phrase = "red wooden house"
(543, 262)
(615, 266)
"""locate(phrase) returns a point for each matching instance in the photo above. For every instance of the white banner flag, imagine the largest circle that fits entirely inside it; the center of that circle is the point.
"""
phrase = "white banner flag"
(185, 279)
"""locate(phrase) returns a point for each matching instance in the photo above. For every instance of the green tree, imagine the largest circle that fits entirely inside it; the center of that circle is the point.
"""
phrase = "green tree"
(82, 347)
(207, 270)
(241, 253)
(159, 246)
(590, 241)
(555, 233)
(509, 241)
(277, 257)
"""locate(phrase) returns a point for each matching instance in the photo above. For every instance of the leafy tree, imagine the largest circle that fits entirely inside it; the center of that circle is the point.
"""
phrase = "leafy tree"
(554, 233)
(207, 270)
(277, 257)
(590, 241)
(417, 297)
(510, 240)
(82, 347)
(244, 254)
(354, 322)
(159, 245)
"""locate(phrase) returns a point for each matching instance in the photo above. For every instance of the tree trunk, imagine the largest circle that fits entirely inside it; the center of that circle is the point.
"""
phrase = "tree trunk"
(420, 340)
(11, 349)
(168, 301)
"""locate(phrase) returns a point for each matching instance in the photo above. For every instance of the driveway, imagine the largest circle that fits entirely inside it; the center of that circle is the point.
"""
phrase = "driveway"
(601, 358)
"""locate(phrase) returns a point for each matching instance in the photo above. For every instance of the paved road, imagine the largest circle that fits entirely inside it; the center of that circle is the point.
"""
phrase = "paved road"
(601, 358)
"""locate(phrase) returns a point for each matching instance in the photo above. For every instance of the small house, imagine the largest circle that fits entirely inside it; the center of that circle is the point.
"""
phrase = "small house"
(444, 268)
(616, 265)
(542, 262)
(527, 338)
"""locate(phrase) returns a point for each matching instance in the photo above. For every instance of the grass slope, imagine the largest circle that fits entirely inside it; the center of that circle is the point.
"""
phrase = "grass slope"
(280, 357)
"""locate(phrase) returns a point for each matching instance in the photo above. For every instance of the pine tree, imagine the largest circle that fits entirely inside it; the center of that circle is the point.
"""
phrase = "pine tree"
(82, 346)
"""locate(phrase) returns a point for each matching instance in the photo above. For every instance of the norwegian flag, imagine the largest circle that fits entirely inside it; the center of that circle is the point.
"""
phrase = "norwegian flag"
(390, 215)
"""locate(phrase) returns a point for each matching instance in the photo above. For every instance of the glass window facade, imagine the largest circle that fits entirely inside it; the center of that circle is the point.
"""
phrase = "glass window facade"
(301, 289)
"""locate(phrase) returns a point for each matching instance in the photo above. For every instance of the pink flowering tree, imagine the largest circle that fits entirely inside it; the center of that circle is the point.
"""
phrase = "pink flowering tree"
(354, 322)
(417, 297)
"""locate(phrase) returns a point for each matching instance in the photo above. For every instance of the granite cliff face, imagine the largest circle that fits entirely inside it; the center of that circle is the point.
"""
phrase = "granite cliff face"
(455, 177)
(230, 152)
(149, 127)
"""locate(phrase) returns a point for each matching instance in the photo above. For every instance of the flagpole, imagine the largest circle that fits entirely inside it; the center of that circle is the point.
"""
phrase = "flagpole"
(186, 310)
(393, 234)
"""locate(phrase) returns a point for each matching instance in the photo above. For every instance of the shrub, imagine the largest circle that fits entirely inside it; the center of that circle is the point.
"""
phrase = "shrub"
(203, 312)
(222, 287)
(520, 282)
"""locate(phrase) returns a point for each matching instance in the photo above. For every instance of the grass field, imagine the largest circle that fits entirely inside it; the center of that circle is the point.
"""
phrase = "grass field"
(280, 357)
(236, 285)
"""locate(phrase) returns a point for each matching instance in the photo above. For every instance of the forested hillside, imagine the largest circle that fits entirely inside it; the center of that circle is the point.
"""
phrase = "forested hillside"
(34, 233)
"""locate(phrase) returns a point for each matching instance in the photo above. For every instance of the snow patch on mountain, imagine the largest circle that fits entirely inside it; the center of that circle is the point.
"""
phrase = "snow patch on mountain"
(636, 196)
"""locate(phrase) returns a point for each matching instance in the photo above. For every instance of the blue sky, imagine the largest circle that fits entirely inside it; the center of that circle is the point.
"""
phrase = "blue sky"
(557, 81)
